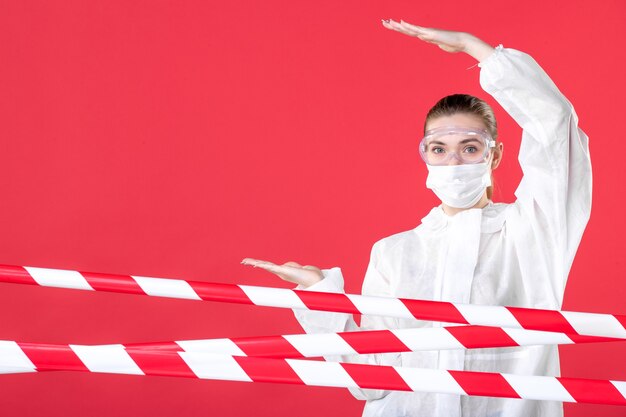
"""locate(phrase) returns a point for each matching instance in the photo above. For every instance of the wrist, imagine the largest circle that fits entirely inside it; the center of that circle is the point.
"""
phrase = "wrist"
(476, 47)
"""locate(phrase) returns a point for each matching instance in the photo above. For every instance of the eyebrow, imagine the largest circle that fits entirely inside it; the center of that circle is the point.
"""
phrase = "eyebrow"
(436, 142)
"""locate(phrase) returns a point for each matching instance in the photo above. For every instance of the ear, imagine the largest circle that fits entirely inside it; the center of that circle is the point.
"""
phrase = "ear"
(497, 155)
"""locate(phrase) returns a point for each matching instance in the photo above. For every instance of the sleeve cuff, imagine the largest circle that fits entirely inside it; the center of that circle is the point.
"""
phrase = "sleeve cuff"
(497, 51)
(332, 282)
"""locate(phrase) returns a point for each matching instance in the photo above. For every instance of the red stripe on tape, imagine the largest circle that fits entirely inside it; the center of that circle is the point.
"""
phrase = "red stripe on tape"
(588, 390)
(268, 370)
(16, 275)
(212, 291)
(370, 341)
(483, 383)
(52, 357)
(269, 347)
(550, 320)
(374, 377)
(327, 301)
(110, 282)
(434, 310)
(160, 363)
(478, 336)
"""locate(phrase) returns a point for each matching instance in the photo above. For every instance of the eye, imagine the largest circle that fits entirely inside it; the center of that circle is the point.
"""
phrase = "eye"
(438, 150)
(471, 149)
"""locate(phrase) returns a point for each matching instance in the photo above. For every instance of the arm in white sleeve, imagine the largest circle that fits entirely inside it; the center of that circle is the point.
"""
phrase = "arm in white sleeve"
(554, 196)
(375, 284)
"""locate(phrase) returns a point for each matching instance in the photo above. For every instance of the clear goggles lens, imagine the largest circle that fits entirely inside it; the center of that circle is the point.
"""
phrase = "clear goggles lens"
(468, 146)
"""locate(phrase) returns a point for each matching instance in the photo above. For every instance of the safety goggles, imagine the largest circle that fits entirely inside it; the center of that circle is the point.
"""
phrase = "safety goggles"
(468, 146)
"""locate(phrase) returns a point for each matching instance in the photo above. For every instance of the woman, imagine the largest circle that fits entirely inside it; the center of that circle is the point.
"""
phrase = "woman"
(469, 249)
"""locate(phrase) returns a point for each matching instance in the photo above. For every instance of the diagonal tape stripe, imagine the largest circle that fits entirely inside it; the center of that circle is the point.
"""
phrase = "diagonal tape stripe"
(477, 336)
(109, 282)
(325, 374)
(267, 347)
(369, 341)
(374, 377)
(212, 366)
(13, 359)
(53, 356)
(154, 363)
(16, 275)
(269, 371)
(488, 315)
(163, 287)
(221, 346)
(597, 324)
(274, 297)
(541, 388)
(550, 320)
(60, 278)
(478, 383)
(311, 345)
(586, 390)
(369, 305)
(434, 310)
(430, 380)
(327, 302)
(107, 359)
(427, 338)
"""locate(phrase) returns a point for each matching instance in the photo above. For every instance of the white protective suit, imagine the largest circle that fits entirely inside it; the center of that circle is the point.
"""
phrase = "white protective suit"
(515, 254)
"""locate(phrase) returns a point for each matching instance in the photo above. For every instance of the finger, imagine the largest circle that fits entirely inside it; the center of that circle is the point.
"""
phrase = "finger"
(255, 262)
(417, 32)
(409, 31)
(267, 266)
(421, 35)
(413, 27)
(404, 30)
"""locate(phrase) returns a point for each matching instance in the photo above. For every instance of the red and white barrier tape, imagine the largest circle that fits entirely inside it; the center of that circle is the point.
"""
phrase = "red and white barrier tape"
(356, 343)
(370, 341)
(572, 323)
(119, 360)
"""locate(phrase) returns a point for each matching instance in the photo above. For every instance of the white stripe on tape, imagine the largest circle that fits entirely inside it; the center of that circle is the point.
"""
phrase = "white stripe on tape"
(221, 346)
(427, 338)
(537, 387)
(595, 324)
(391, 307)
(326, 374)
(488, 315)
(107, 358)
(621, 387)
(214, 366)
(13, 359)
(430, 380)
(61, 278)
(163, 287)
(273, 297)
(310, 345)
(535, 337)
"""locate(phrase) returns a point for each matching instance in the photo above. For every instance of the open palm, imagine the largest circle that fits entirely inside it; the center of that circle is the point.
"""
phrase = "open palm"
(289, 271)
(448, 40)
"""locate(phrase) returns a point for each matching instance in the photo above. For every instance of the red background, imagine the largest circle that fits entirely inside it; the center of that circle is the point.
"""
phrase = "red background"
(173, 139)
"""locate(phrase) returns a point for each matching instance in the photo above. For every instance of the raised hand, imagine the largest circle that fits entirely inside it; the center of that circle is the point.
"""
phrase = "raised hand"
(306, 275)
(448, 40)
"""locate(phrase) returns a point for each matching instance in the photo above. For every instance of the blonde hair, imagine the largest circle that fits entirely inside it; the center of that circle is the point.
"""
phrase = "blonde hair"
(465, 103)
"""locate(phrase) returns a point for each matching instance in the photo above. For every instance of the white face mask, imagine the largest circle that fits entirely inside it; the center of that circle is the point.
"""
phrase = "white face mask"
(459, 186)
